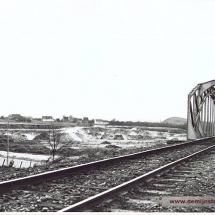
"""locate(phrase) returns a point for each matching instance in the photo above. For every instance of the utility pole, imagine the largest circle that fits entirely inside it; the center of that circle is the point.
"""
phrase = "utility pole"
(7, 142)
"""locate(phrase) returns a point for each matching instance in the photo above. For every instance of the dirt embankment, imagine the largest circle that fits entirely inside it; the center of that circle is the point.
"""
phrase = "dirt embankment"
(36, 141)
(132, 133)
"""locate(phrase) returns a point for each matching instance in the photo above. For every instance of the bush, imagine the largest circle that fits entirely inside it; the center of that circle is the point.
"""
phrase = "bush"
(42, 136)
(67, 151)
(3, 139)
(112, 146)
(11, 163)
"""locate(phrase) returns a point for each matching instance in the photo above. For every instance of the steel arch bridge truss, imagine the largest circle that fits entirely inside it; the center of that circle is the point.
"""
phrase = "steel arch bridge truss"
(201, 111)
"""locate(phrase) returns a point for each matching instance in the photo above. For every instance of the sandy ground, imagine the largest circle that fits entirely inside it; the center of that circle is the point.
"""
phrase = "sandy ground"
(121, 136)
(96, 136)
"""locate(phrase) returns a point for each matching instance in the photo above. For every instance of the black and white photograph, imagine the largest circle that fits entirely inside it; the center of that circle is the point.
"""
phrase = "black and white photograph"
(107, 106)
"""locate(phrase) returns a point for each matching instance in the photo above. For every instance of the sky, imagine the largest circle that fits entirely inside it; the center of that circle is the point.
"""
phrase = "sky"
(129, 60)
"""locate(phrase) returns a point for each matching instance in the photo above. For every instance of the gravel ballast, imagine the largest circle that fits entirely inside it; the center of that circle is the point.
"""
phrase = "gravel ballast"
(59, 193)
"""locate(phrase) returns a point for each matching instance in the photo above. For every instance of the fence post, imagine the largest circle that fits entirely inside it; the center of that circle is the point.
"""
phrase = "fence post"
(20, 165)
(30, 164)
(3, 162)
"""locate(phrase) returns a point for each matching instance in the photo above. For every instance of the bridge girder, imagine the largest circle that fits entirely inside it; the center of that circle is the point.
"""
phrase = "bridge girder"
(201, 111)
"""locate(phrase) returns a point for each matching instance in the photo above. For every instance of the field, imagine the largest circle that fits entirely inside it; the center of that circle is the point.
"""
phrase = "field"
(83, 144)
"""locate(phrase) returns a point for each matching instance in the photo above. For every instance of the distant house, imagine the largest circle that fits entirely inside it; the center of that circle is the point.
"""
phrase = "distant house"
(106, 122)
(14, 115)
(100, 122)
(47, 118)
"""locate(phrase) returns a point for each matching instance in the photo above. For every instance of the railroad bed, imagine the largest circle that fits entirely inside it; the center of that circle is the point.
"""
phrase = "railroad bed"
(192, 179)
(63, 191)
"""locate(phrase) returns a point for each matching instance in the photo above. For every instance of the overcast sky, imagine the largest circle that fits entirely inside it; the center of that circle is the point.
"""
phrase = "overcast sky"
(123, 59)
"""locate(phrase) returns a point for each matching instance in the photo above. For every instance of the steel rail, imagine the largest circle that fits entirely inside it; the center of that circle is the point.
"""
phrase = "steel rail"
(45, 176)
(110, 193)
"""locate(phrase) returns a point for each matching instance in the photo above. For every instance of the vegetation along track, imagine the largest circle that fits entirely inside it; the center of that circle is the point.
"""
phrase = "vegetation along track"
(56, 190)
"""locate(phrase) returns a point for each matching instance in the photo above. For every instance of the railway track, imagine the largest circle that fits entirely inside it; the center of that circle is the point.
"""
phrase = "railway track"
(190, 179)
(58, 190)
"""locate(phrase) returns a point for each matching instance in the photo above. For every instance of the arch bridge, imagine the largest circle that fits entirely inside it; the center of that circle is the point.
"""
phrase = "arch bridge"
(201, 111)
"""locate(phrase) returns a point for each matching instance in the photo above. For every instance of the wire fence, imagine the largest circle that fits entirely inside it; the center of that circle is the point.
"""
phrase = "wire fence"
(21, 163)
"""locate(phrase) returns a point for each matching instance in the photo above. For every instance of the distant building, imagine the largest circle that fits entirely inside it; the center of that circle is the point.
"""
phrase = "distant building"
(47, 118)
(14, 115)
(100, 122)
(106, 122)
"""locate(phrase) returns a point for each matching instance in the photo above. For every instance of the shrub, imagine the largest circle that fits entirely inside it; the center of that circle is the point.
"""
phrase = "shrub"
(11, 163)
